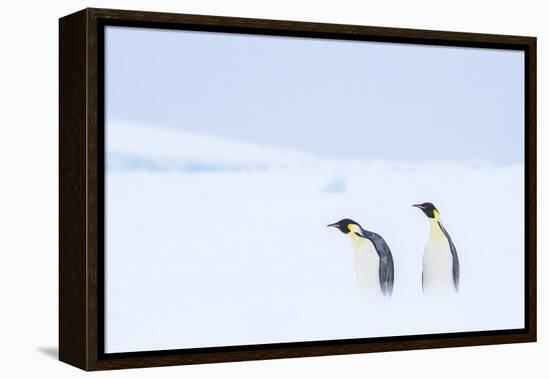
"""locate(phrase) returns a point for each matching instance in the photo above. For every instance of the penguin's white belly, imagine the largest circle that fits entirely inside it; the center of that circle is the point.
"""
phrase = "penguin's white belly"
(437, 265)
(367, 266)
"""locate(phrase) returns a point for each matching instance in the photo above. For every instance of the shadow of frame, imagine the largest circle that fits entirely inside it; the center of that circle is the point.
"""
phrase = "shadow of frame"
(50, 351)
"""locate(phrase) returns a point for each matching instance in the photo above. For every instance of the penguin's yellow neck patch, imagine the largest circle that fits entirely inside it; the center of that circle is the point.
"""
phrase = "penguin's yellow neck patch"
(354, 228)
(435, 229)
(356, 240)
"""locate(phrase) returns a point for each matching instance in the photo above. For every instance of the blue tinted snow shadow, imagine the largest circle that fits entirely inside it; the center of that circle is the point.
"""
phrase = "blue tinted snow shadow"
(338, 184)
(131, 163)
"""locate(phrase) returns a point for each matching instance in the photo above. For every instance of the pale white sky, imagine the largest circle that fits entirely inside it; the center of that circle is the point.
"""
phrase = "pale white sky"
(337, 99)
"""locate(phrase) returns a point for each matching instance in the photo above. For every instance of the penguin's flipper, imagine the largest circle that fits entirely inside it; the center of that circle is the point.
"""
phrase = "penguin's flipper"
(385, 269)
(386, 276)
(456, 263)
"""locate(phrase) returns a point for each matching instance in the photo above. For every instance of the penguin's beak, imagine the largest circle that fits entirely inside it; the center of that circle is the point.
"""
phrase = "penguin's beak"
(417, 205)
(335, 224)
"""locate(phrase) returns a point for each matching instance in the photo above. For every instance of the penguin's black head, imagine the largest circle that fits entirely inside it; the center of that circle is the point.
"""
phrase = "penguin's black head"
(428, 208)
(344, 225)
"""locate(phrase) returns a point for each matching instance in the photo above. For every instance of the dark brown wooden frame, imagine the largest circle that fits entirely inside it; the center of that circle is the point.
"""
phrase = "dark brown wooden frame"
(81, 188)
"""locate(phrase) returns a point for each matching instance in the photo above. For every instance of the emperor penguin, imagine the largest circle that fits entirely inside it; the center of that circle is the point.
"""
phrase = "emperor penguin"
(372, 256)
(440, 265)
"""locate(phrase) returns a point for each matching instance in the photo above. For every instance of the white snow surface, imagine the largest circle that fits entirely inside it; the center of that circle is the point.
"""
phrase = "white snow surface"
(202, 258)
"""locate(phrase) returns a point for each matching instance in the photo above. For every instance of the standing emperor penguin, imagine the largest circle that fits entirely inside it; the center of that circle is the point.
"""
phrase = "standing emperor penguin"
(373, 258)
(440, 265)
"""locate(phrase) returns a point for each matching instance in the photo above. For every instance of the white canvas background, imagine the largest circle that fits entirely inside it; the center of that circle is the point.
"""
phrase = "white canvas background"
(30, 313)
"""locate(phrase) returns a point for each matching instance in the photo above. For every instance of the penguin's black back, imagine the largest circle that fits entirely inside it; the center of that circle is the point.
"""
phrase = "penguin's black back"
(456, 263)
(385, 269)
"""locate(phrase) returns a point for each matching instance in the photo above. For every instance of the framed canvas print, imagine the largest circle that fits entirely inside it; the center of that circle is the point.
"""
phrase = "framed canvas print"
(238, 189)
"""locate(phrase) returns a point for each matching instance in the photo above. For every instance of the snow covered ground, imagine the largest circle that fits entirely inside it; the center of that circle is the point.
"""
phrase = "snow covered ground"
(212, 242)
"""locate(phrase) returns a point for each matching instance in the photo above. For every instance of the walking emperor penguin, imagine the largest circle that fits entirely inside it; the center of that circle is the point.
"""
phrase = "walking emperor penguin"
(372, 256)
